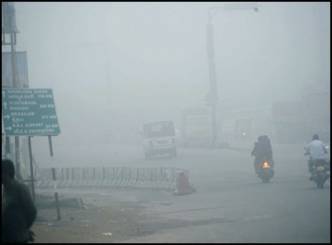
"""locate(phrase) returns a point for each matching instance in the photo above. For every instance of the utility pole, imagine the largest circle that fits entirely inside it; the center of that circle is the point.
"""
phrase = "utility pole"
(213, 83)
(213, 94)
(9, 27)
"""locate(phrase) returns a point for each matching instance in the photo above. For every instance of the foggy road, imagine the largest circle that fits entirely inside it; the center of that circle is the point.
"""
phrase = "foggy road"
(231, 204)
(96, 103)
(289, 209)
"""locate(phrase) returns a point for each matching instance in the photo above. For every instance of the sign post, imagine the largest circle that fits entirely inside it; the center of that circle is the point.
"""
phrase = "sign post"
(31, 170)
(54, 179)
(30, 112)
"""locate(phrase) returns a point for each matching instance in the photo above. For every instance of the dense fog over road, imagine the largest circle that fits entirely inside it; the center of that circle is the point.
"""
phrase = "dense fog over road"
(160, 107)
(113, 66)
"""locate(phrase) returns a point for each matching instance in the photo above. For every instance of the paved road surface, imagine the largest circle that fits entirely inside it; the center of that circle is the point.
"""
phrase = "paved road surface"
(231, 204)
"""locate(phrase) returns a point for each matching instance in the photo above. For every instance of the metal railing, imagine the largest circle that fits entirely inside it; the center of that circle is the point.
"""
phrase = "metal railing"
(155, 178)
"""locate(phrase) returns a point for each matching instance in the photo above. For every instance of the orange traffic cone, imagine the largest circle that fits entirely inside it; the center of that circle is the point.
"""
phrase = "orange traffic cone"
(183, 186)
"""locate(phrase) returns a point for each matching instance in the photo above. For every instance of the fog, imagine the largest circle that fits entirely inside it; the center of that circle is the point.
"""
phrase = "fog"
(113, 66)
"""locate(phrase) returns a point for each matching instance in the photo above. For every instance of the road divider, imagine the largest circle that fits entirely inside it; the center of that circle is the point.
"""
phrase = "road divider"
(129, 177)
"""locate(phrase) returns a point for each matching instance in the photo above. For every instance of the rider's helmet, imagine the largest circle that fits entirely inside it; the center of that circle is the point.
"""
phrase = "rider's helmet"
(315, 137)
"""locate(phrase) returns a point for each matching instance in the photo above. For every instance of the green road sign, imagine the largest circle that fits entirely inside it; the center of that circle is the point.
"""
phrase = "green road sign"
(29, 112)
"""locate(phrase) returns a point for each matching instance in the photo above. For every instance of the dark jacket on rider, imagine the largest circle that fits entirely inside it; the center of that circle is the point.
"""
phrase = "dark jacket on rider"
(262, 150)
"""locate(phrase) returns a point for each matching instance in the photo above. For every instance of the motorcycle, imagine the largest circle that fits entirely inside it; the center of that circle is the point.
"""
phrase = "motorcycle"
(319, 169)
(265, 171)
(320, 172)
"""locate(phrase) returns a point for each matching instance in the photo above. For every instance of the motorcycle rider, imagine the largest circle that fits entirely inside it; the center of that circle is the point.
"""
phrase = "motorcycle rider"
(317, 152)
(262, 151)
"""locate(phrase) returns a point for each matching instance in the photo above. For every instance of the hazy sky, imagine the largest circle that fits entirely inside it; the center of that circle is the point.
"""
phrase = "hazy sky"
(116, 65)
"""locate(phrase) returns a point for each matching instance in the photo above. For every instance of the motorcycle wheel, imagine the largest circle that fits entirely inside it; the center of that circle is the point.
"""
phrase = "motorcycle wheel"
(265, 180)
(265, 176)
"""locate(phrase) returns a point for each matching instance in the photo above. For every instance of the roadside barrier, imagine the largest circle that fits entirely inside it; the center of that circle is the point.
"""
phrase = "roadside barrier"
(155, 178)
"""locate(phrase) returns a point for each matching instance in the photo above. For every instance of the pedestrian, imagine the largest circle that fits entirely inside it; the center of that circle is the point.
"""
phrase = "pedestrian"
(18, 209)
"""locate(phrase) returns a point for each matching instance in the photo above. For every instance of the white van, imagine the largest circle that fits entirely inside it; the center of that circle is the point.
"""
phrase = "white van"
(159, 138)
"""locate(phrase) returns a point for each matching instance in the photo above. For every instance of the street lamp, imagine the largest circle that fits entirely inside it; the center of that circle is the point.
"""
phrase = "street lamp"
(213, 93)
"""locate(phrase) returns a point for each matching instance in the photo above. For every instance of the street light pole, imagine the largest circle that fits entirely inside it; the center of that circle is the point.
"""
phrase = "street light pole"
(213, 94)
(212, 75)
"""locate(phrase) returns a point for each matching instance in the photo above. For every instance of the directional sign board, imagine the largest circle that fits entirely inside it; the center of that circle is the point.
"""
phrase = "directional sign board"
(29, 112)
